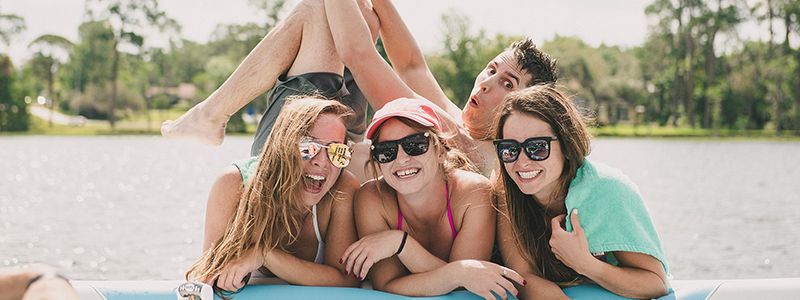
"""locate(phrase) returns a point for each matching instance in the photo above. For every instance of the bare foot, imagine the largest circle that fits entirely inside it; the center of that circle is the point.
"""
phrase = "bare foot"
(197, 124)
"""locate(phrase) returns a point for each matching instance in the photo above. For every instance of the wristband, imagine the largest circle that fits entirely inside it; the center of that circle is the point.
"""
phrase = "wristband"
(402, 244)
(46, 275)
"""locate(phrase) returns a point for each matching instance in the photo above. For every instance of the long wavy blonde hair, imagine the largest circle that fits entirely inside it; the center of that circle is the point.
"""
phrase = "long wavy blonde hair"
(529, 220)
(269, 210)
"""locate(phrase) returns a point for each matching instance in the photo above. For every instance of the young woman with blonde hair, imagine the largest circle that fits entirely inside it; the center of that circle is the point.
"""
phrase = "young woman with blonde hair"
(293, 217)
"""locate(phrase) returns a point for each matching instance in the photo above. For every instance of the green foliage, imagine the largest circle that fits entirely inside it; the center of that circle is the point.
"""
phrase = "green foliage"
(678, 72)
(463, 56)
(13, 109)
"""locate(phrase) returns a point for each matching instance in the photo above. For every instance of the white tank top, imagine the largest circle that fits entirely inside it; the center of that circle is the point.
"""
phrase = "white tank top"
(321, 247)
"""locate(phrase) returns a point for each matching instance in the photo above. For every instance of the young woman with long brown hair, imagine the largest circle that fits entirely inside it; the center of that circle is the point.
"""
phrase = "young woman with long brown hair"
(542, 142)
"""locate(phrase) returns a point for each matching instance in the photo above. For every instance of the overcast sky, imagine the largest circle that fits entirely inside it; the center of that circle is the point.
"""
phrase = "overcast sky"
(613, 22)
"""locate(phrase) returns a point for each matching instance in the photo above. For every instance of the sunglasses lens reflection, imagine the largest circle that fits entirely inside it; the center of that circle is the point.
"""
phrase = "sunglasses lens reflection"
(339, 154)
(309, 149)
(508, 151)
(537, 149)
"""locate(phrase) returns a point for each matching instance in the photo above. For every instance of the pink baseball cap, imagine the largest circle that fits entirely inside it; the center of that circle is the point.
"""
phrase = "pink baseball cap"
(417, 110)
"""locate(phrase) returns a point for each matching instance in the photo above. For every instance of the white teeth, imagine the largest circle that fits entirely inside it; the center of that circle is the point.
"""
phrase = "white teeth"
(528, 175)
(407, 173)
(315, 177)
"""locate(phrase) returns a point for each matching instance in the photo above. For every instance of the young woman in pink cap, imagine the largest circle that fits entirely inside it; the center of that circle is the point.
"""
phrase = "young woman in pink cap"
(426, 224)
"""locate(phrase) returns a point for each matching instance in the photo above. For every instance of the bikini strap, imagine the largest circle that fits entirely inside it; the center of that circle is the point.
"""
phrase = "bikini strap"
(399, 217)
(449, 213)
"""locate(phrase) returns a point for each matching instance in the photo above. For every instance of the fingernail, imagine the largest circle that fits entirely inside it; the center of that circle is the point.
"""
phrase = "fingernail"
(340, 261)
(361, 279)
(524, 282)
(517, 295)
(575, 211)
(346, 272)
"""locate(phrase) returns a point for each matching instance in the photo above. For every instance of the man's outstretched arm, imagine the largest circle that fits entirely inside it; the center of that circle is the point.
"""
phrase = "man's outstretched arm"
(407, 58)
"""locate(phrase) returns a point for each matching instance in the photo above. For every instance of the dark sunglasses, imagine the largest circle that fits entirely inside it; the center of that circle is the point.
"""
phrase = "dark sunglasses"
(537, 148)
(413, 145)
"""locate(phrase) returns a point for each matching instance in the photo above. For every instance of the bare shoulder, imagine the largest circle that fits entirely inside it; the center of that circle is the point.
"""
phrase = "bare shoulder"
(229, 178)
(370, 195)
(345, 189)
(347, 183)
(470, 188)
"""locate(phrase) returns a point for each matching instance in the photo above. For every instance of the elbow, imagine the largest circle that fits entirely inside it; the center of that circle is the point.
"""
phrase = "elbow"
(656, 291)
(660, 291)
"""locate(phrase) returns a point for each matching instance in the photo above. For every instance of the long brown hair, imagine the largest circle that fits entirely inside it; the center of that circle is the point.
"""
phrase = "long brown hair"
(529, 220)
(269, 211)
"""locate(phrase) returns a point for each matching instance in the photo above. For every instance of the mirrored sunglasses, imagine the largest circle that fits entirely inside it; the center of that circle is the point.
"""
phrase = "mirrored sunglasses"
(537, 148)
(339, 154)
(413, 145)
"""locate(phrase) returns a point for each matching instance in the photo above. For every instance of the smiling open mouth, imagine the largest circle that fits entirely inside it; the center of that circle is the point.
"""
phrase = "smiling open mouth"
(406, 173)
(529, 175)
(313, 182)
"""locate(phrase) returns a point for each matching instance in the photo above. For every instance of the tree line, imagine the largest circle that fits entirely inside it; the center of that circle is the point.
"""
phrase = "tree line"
(693, 69)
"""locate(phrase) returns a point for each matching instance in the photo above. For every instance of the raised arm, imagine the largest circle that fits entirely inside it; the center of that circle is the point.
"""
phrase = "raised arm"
(407, 58)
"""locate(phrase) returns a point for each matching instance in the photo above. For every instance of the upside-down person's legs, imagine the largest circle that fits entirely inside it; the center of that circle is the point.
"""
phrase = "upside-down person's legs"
(206, 121)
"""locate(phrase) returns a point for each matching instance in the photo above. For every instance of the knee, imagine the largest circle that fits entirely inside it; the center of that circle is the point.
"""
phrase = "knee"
(307, 9)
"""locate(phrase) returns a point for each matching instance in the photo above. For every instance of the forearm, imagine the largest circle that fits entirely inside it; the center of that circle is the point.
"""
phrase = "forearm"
(302, 272)
(400, 45)
(539, 288)
(436, 282)
(626, 281)
(13, 282)
(417, 259)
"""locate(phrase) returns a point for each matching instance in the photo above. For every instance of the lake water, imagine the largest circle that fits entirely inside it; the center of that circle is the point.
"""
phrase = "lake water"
(132, 208)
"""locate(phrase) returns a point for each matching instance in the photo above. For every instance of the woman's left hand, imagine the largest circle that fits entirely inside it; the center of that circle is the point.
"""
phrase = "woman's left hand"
(571, 248)
(232, 276)
(361, 255)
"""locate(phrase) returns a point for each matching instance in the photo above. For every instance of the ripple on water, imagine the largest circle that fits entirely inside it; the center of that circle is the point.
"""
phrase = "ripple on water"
(135, 205)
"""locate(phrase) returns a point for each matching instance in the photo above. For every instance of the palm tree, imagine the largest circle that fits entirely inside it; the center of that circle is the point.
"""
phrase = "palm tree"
(128, 16)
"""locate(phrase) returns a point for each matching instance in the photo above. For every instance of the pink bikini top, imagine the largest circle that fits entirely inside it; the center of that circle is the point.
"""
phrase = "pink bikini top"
(449, 214)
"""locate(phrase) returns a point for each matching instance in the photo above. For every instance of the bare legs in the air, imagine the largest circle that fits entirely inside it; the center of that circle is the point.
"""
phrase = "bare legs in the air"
(301, 43)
